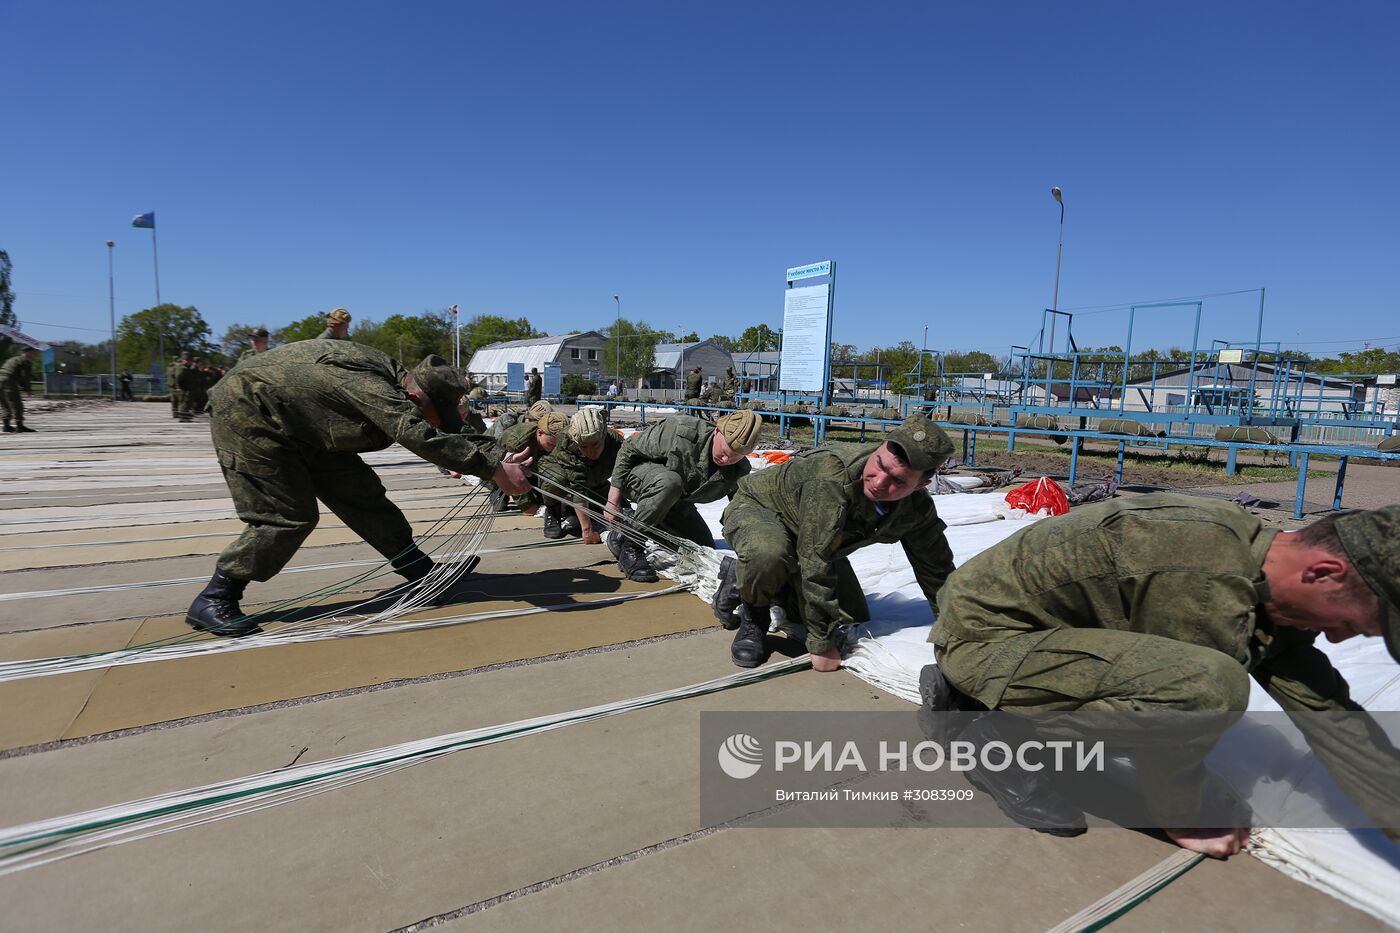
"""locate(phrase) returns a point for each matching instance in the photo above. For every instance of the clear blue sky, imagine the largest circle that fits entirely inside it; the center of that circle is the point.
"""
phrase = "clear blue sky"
(535, 159)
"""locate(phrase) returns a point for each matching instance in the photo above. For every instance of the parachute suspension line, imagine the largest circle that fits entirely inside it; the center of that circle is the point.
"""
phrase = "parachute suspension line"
(46, 841)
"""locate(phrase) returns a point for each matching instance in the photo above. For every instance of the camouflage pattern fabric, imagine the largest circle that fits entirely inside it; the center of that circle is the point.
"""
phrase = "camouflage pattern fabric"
(1146, 604)
(287, 426)
(794, 525)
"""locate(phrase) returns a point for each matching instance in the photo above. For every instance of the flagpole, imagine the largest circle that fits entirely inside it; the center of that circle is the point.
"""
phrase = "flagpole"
(112, 314)
(155, 258)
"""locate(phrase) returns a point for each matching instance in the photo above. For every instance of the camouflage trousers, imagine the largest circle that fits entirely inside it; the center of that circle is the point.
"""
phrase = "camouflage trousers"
(176, 403)
(11, 403)
(278, 506)
(657, 494)
(1146, 682)
(769, 572)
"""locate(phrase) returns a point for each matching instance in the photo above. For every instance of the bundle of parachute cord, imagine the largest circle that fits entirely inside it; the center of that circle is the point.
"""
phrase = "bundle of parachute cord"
(50, 840)
(457, 538)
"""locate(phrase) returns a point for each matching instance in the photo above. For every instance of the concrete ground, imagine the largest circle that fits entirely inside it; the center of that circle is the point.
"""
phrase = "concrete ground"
(593, 826)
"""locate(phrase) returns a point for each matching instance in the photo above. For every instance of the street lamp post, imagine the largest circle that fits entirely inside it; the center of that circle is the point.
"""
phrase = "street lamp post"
(112, 314)
(617, 339)
(1059, 197)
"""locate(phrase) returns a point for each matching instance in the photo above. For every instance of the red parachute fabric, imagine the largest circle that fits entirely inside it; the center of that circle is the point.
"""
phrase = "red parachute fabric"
(1039, 495)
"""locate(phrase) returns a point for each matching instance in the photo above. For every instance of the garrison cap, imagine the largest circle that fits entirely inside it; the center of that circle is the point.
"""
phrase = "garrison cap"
(261, 332)
(924, 444)
(587, 425)
(444, 387)
(338, 316)
(1372, 542)
(740, 429)
(552, 424)
(538, 410)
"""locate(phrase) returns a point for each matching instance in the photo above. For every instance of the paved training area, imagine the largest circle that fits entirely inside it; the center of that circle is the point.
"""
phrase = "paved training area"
(112, 517)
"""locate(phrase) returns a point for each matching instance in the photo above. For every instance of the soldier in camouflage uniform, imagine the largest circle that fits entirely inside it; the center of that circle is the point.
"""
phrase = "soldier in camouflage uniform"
(502, 423)
(17, 373)
(1165, 604)
(730, 389)
(287, 428)
(534, 391)
(670, 467)
(172, 385)
(185, 383)
(578, 470)
(793, 525)
(337, 326)
(693, 381)
(258, 339)
(531, 441)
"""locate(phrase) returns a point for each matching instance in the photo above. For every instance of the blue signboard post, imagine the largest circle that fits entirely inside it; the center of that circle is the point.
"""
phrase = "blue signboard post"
(806, 347)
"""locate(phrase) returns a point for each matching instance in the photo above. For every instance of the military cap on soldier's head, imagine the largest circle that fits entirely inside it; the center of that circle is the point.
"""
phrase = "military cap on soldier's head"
(1372, 542)
(261, 332)
(338, 316)
(923, 443)
(538, 410)
(444, 387)
(587, 425)
(551, 424)
(740, 429)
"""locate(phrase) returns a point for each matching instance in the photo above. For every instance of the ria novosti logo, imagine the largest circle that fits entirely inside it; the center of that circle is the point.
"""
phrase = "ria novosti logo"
(740, 756)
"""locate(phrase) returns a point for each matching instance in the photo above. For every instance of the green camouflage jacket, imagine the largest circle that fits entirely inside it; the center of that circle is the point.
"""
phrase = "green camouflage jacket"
(681, 444)
(820, 498)
(587, 479)
(1165, 564)
(314, 396)
(18, 370)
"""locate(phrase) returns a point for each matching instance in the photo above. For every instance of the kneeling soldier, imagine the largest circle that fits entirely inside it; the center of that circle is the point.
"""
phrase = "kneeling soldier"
(578, 470)
(793, 525)
(667, 469)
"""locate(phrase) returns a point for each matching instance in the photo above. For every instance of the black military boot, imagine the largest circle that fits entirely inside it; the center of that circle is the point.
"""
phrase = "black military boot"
(614, 542)
(940, 697)
(9, 429)
(1024, 796)
(21, 429)
(632, 560)
(216, 610)
(726, 598)
(569, 526)
(552, 531)
(747, 649)
(412, 565)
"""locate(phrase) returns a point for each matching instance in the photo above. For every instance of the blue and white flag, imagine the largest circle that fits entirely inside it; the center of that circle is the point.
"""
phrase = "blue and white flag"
(145, 220)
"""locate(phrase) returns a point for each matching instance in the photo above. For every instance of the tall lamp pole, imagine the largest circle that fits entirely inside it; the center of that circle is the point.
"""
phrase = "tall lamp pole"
(112, 314)
(1059, 197)
(617, 339)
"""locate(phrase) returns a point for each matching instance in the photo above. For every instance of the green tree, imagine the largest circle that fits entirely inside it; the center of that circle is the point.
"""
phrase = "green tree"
(631, 349)
(140, 336)
(1369, 360)
(310, 326)
(492, 328)
(756, 339)
(409, 338)
(727, 344)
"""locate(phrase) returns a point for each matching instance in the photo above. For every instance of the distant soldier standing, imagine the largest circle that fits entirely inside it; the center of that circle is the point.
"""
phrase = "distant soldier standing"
(172, 385)
(535, 392)
(258, 339)
(693, 381)
(337, 326)
(17, 373)
(730, 390)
